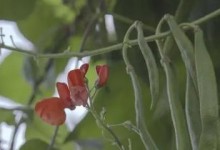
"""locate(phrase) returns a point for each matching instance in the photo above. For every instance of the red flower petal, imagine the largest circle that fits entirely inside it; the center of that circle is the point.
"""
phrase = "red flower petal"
(98, 67)
(51, 110)
(63, 91)
(103, 73)
(64, 94)
(79, 95)
(75, 78)
(84, 68)
(78, 91)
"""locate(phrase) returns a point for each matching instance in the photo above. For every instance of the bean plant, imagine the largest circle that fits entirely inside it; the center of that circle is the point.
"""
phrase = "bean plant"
(192, 107)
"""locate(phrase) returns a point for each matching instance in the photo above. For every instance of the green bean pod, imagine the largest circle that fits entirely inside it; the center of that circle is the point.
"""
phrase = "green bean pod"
(151, 65)
(177, 114)
(192, 113)
(207, 88)
(140, 121)
(176, 109)
(218, 134)
(185, 46)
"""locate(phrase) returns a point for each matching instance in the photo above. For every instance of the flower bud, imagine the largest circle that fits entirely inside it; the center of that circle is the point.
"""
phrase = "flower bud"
(103, 73)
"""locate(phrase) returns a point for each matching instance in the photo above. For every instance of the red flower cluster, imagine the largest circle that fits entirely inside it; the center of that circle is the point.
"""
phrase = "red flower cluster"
(76, 93)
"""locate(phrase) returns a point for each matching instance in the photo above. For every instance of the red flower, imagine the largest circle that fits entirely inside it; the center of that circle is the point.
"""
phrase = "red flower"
(78, 90)
(84, 68)
(51, 110)
(64, 94)
(103, 73)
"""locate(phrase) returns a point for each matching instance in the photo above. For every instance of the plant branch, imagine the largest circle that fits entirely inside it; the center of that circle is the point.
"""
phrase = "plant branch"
(109, 48)
(183, 10)
(100, 121)
(15, 133)
(17, 108)
(130, 21)
(116, 139)
(21, 120)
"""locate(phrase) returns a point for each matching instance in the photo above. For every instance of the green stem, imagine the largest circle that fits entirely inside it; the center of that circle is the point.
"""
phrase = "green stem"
(100, 121)
(15, 133)
(183, 10)
(53, 138)
(18, 108)
(207, 17)
(104, 126)
(130, 21)
(17, 125)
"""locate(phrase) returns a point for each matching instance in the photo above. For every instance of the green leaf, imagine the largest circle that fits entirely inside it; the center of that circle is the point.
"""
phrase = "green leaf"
(42, 24)
(90, 144)
(12, 79)
(16, 10)
(35, 144)
(31, 70)
(41, 130)
(36, 70)
(208, 94)
(7, 116)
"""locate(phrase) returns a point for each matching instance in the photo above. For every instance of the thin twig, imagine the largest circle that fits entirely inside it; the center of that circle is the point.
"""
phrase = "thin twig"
(15, 133)
(116, 139)
(2, 39)
(21, 120)
(53, 138)
(183, 10)
(130, 21)
(1, 36)
(18, 108)
(87, 32)
(101, 122)
(90, 26)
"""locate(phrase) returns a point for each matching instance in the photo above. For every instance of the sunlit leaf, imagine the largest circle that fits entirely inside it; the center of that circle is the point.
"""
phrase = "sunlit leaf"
(7, 116)
(16, 10)
(12, 79)
(35, 144)
(42, 24)
(32, 70)
(41, 130)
